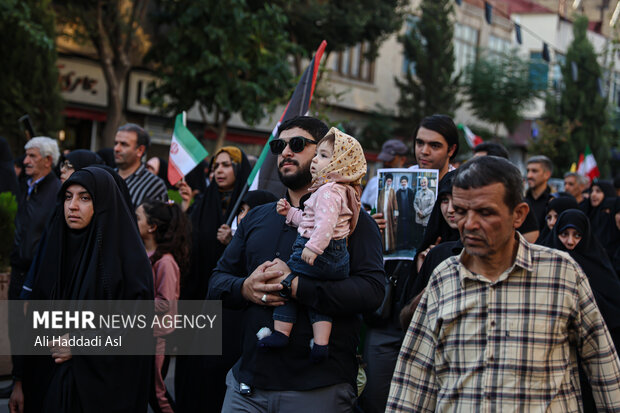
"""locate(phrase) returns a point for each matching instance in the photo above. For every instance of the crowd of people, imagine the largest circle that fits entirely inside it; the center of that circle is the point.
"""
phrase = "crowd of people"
(511, 302)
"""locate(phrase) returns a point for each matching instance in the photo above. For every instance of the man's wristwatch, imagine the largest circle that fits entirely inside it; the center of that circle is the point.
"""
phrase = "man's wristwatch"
(286, 290)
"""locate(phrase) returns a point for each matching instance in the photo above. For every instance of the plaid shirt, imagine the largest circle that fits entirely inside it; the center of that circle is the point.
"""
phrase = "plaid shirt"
(509, 345)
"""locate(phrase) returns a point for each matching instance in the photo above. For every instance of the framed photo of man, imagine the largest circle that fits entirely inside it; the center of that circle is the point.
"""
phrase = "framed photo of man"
(405, 198)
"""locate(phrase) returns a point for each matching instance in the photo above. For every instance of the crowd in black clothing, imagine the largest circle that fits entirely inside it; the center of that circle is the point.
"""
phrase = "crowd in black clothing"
(242, 266)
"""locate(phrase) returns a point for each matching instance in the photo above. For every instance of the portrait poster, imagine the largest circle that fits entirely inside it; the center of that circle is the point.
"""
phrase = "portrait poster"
(405, 198)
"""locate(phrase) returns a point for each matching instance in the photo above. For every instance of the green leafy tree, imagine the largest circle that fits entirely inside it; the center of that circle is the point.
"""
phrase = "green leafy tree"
(432, 87)
(115, 30)
(378, 128)
(224, 55)
(29, 80)
(498, 88)
(553, 141)
(342, 23)
(581, 103)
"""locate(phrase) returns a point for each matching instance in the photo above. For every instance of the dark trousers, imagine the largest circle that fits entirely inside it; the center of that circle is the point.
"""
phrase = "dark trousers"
(338, 398)
(381, 347)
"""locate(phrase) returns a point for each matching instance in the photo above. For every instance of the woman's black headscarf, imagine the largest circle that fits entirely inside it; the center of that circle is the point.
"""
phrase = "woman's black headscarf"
(81, 158)
(603, 280)
(206, 218)
(196, 178)
(122, 186)
(593, 260)
(107, 154)
(104, 261)
(8, 180)
(437, 225)
(600, 217)
(558, 204)
(163, 172)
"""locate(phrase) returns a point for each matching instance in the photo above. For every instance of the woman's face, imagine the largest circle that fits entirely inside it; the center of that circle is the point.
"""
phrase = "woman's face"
(447, 210)
(152, 165)
(223, 172)
(143, 225)
(79, 208)
(551, 219)
(570, 237)
(66, 169)
(596, 196)
(245, 208)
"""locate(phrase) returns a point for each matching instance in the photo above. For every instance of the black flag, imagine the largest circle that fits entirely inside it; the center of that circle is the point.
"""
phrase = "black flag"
(545, 53)
(488, 11)
(518, 33)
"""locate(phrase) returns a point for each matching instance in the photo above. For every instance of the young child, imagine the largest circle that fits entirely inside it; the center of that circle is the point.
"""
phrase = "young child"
(164, 229)
(320, 250)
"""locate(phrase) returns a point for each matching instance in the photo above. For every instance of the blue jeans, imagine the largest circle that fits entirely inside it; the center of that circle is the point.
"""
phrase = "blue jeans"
(333, 265)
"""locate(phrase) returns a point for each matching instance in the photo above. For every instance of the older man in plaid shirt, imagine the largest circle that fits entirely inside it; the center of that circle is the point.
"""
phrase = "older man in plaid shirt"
(501, 327)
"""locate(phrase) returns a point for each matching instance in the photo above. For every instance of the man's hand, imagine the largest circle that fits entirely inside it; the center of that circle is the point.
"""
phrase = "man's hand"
(265, 281)
(16, 402)
(60, 354)
(224, 234)
(279, 265)
(378, 217)
(282, 207)
(308, 256)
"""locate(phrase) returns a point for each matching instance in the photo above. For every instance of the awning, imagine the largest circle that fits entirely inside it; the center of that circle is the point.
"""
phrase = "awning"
(81, 113)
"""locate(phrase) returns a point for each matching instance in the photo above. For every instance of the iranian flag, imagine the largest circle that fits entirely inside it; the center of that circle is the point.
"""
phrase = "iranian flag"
(472, 139)
(185, 151)
(587, 165)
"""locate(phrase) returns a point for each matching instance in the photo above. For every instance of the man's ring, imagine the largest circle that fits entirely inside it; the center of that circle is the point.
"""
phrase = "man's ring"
(264, 298)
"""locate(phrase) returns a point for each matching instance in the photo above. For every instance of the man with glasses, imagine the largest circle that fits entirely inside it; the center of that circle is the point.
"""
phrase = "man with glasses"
(246, 278)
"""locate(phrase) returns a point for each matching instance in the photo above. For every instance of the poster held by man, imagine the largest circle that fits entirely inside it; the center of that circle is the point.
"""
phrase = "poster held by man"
(406, 199)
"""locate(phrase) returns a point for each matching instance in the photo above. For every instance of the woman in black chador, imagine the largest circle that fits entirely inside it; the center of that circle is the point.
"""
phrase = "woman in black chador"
(200, 381)
(572, 233)
(92, 251)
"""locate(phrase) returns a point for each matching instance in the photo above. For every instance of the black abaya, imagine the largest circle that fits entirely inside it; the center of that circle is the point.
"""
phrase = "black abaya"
(110, 264)
(200, 380)
(593, 260)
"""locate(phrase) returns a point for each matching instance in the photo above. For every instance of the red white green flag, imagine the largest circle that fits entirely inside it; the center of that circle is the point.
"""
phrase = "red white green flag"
(472, 139)
(185, 151)
(587, 165)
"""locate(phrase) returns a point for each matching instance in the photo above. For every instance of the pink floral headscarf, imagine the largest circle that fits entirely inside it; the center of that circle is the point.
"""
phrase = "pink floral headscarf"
(348, 166)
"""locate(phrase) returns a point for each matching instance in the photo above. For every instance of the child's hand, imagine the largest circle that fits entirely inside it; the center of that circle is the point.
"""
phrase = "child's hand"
(283, 207)
(308, 256)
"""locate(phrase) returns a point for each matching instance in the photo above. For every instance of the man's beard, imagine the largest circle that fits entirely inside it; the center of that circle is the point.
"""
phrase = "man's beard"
(300, 179)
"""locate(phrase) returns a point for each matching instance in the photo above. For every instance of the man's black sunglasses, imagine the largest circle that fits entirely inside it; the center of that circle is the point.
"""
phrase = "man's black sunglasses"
(296, 143)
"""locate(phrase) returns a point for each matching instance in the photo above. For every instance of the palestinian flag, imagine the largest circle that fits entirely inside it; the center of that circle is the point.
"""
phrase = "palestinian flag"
(587, 165)
(472, 139)
(266, 167)
(185, 151)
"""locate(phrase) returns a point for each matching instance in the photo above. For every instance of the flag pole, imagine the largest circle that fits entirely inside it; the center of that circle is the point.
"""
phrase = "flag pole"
(300, 95)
